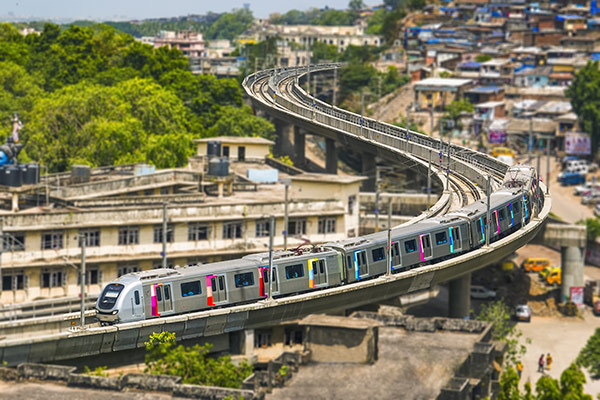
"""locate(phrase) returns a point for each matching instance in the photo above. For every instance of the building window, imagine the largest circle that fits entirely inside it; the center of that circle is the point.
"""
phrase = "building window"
(158, 264)
(158, 233)
(52, 240)
(52, 279)
(351, 202)
(129, 235)
(197, 231)
(327, 225)
(262, 228)
(127, 269)
(14, 241)
(149, 192)
(92, 277)
(91, 236)
(297, 227)
(165, 190)
(13, 281)
(232, 230)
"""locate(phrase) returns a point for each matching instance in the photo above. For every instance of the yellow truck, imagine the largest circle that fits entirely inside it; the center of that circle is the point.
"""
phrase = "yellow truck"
(554, 278)
(535, 264)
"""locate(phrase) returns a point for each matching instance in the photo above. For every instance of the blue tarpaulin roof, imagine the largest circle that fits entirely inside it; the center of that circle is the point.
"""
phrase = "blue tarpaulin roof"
(470, 64)
(484, 89)
(564, 17)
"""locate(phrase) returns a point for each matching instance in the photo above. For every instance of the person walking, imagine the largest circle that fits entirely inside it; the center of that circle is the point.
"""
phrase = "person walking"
(548, 361)
(541, 364)
(519, 369)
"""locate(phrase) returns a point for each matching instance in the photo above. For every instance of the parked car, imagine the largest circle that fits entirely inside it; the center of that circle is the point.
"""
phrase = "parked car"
(523, 313)
(586, 187)
(592, 167)
(566, 159)
(535, 264)
(591, 197)
(571, 178)
(546, 271)
(502, 151)
(554, 278)
(597, 210)
(480, 292)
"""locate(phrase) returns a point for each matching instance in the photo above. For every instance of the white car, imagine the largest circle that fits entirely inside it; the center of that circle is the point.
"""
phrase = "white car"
(480, 292)
(597, 210)
(523, 313)
(586, 187)
(591, 197)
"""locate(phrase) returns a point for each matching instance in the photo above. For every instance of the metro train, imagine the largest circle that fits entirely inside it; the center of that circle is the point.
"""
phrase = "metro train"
(163, 292)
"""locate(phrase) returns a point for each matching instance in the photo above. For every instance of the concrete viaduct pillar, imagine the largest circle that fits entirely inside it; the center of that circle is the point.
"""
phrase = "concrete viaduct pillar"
(299, 147)
(283, 141)
(459, 297)
(571, 270)
(330, 156)
(369, 166)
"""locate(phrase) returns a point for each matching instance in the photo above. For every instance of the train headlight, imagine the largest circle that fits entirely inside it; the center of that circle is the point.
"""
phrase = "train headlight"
(115, 312)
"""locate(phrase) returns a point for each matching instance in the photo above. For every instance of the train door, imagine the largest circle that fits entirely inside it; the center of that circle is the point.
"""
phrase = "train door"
(455, 239)
(360, 258)
(218, 289)
(496, 228)
(265, 279)
(162, 300)
(396, 256)
(317, 271)
(425, 242)
(137, 304)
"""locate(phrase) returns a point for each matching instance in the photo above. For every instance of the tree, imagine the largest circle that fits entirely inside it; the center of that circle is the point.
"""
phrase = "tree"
(192, 364)
(592, 228)
(356, 5)
(584, 94)
(455, 108)
(589, 356)
(547, 388)
(323, 51)
(230, 25)
(240, 121)
(498, 313)
(509, 385)
(481, 58)
(571, 384)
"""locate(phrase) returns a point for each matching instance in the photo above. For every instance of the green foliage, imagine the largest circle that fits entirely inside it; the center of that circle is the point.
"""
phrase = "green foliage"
(571, 383)
(375, 21)
(483, 58)
(509, 385)
(192, 364)
(455, 108)
(283, 370)
(584, 94)
(592, 228)
(323, 51)
(239, 121)
(91, 94)
(286, 160)
(589, 356)
(356, 5)
(314, 16)
(99, 371)
(498, 313)
(230, 25)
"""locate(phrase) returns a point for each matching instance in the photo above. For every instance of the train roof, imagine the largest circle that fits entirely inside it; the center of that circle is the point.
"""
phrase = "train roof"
(282, 255)
(469, 210)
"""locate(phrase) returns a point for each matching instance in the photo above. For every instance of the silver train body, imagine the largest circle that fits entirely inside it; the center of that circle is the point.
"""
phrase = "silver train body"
(163, 292)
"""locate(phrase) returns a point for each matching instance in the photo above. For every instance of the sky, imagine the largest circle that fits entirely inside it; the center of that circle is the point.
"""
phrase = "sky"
(102, 10)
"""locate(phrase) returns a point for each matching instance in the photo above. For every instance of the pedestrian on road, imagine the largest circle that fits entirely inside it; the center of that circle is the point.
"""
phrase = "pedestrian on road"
(519, 369)
(541, 364)
(548, 361)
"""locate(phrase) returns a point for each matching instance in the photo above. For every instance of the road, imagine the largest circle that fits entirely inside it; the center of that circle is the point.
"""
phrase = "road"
(564, 203)
(563, 338)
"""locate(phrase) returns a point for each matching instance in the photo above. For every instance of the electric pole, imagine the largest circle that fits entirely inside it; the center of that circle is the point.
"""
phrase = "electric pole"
(164, 236)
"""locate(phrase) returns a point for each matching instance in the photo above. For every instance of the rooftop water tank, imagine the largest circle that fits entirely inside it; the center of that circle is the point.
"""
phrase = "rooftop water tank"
(80, 173)
(12, 176)
(218, 166)
(213, 148)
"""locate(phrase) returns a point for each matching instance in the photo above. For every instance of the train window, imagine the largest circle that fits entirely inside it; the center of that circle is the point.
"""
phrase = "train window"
(362, 258)
(350, 263)
(213, 284)
(136, 295)
(321, 266)
(410, 245)
(109, 295)
(167, 296)
(159, 293)
(265, 273)
(245, 279)
(516, 207)
(378, 254)
(190, 288)
(221, 283)
(294, 271)
(440, 238)
(479, 227)
(501, 214)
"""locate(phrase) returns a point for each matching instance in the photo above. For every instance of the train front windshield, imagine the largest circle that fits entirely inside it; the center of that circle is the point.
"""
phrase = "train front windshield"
(110, 295)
